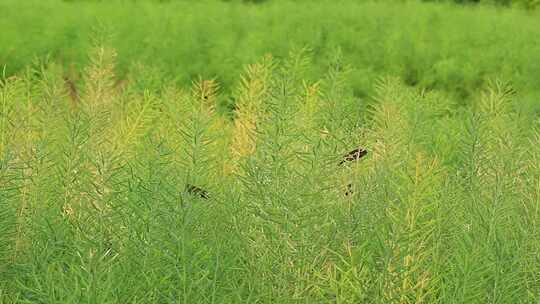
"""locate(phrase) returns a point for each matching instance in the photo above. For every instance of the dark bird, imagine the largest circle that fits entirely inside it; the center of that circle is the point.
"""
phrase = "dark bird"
(354, 155)
(349, 190)
(194, 190)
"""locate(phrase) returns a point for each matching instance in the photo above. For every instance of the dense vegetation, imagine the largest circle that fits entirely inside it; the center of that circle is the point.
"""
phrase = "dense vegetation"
(122, 180)
(445, 47)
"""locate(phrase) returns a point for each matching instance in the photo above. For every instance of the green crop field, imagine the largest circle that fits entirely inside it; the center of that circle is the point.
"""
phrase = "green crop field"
(202, 152)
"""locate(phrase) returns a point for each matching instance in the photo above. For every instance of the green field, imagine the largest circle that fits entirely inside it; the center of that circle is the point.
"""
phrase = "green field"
(193, 152)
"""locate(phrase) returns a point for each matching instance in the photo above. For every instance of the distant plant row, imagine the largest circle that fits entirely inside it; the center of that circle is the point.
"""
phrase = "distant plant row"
(529, 4)
(444, 47)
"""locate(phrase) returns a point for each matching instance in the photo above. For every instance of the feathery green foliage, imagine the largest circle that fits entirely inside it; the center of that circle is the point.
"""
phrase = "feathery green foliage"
(95, 207)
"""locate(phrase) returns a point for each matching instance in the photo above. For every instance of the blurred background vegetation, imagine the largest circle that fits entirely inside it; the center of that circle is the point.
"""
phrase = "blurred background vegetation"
(449, 47)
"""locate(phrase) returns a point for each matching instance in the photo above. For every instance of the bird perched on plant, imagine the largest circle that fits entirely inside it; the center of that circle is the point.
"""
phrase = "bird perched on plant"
(194, 190)
(354, 155)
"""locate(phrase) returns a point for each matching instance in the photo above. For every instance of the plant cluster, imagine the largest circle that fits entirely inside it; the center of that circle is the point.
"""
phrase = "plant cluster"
(112, 193)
